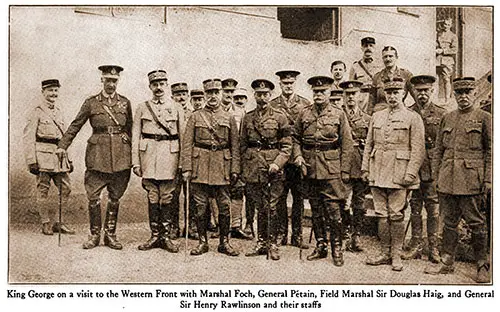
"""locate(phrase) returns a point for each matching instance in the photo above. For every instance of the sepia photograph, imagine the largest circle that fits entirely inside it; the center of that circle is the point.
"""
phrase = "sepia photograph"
(250, 145)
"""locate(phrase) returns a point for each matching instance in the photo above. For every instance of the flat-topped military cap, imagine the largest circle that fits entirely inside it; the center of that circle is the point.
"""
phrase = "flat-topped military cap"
(197, 93)
(212, 84)
(320, 82)
(50, 83)
(262, 85)
(464, 83)
(367, 40)
(422, 81)
(229, 84)
(240, 92)
(351, 85)
(336, 94)
(110, 71)
(394, 84)
(287, 75)
(156, 75)
(179, 87)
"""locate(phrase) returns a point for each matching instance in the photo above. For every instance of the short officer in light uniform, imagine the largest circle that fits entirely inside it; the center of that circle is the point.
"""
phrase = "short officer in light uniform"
(108, 155)
(291, 104)
(266, 146)
(393, 155)
(462, 169)
(323, 145)
(211, 161)
(42, 133)
(359, 121)
(156, 132)
(426, 194)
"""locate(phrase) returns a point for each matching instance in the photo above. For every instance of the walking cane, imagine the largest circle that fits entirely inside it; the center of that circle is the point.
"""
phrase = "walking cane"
(60, 216)
(409, 220)
(186, 226)
(268, 217)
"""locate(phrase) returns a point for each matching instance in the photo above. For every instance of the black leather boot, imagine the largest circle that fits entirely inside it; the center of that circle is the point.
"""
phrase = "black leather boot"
(397, 237)
(357, 224)
(416, 245)
(336, 244)
(154, 224)
(224, 247)
(384, 257)
(110, 222)
(95, 225)
(202, 247)
(320, 252)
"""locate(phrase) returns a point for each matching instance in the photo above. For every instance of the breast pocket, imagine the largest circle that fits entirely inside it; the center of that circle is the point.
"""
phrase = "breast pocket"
(330, 128)
(46, 128)
(474, 136)
(447, 137)
(270, 129)
(401, 132)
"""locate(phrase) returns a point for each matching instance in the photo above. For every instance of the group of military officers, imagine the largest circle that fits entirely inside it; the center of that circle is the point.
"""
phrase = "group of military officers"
(327, 151)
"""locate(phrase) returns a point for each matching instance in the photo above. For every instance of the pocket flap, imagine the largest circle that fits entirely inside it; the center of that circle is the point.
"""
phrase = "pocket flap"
(331, 154)
(401, 126)
(143, 145)
(447, 130)
(93, 139)
(473, 163)
(227, 154)
(473, 128)
(45, 147)
(402, 154)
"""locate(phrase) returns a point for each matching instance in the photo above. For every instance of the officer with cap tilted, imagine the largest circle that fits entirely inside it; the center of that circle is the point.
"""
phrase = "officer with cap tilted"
(108, 155)
(323, 145)
(266, 145)
(462, 168)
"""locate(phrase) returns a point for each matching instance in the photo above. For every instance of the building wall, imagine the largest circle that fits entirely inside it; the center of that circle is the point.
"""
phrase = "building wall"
(478, 45)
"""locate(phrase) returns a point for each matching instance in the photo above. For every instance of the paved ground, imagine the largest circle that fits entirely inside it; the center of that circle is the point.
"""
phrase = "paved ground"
(35, 258)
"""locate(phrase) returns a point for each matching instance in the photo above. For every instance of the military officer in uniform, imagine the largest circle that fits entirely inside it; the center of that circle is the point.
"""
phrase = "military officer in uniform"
(266, 145)
(228, 87)
(291, 104)
(43, 131)
(337, 98)
(446, 49)
(462, 169)
(364, 70)
(197, 99)
(323, 145)
(426, 194)
(338, 70)
(390, 71)
(156, 132)
(180, 95)
(393, 155)
(211, 161)
(108, 155)
(358, 121)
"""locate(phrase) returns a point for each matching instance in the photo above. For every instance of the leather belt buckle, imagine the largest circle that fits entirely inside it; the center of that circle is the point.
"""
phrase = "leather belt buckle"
(214, 148)
(157, 137)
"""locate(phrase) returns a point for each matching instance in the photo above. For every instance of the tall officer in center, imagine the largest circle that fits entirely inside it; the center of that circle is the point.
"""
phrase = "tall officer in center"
(323, 144)
(108, 155)
(266, 146)
(291, 104)
(211, 161)
(158, 125)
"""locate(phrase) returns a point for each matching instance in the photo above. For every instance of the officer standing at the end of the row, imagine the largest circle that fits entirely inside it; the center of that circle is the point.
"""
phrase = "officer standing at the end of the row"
(266, 146)
(322, 148)
(42, 133)
(211, 161)
(108, 154)
(426, 194)
(393, 155)
(462, 169)
(156, 134)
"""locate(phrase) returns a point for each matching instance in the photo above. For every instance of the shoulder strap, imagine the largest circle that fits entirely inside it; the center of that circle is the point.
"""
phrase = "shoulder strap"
(156, 118)
(210, 127)
(106, 108)
(364, 68)
(53, 120)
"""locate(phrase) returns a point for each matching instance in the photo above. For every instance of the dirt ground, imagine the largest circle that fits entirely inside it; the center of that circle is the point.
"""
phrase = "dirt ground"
(35, 258)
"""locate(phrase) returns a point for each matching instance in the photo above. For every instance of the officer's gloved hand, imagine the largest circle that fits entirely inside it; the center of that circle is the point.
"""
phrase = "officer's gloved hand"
(234, 178)
(365, 175)
(186, 175)
(34, 169)
(487, 188)
(274, 169)
(137, 171)
(409, 179)
(345, 177)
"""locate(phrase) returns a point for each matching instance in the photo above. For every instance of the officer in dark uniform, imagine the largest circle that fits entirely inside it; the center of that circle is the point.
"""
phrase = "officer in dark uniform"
(266, 146)
(291, 104)
(359, 122)
(108, 155)
(426, 195)
(462, 168)
(197, 99)
(211, 161)
(337, 98)
(323, 145)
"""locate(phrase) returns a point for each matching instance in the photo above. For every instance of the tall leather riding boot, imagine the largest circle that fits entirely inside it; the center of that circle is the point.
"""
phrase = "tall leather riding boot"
(202, 247)
(224, 247)
(480, 246)
(273, 238)
(384, 257)
(416, 245)
(346, 224)
(432, 232)
(165, 224)
(320, 252)
(336, 244)
(357, 224)
(95, 225)
(154, 223)
(110, 222)
(397, 238)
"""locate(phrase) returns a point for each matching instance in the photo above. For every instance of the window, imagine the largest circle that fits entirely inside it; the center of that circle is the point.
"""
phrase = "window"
(309, 24)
